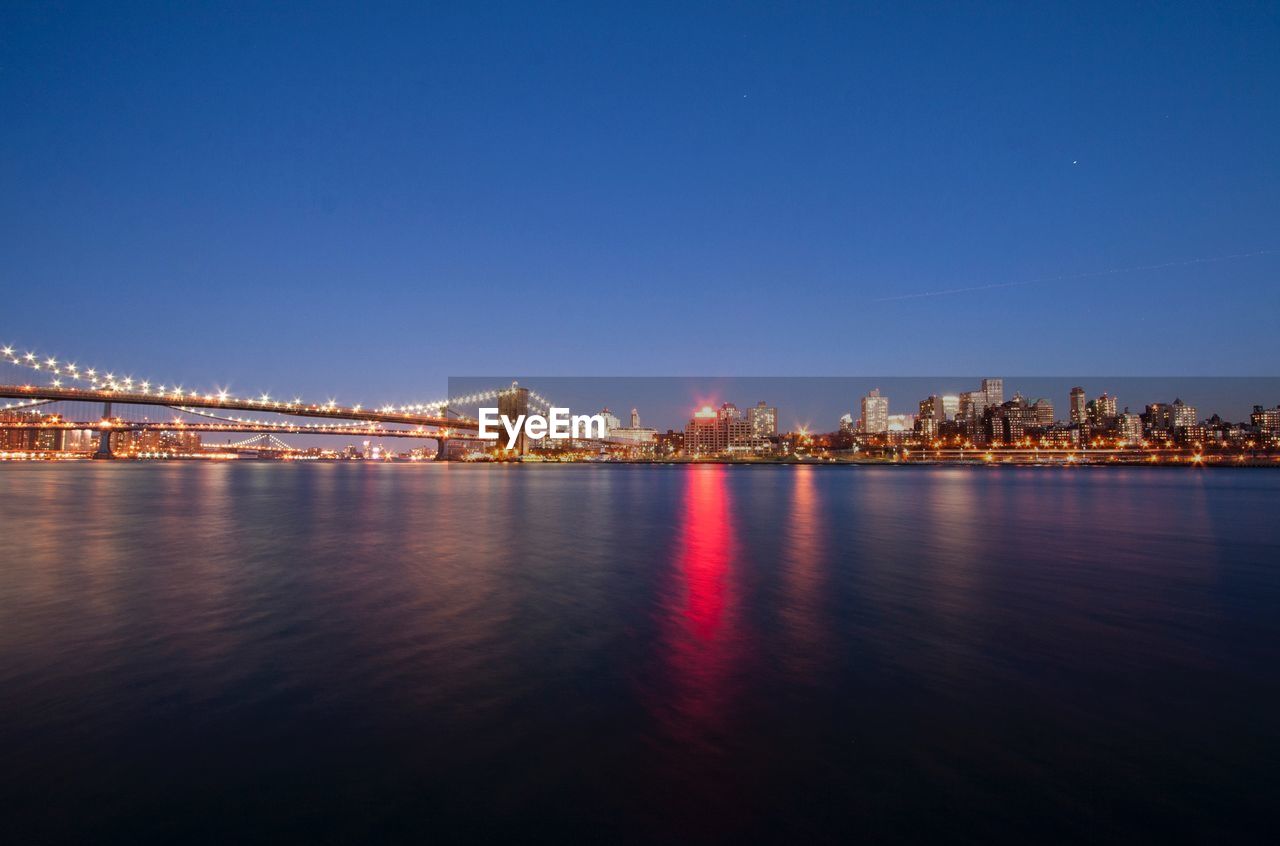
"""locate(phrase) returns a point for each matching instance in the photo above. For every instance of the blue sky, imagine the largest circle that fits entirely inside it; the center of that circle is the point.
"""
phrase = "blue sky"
(361, 201)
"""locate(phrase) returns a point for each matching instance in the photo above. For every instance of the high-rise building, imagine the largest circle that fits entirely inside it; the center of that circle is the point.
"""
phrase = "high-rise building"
(972, 406)
(635, 418)
(1159, 417)
(1008, 422)
(611, 421)
(1184, 415)
(950, 406)
(875, 413)
(1130, 427)
(764, 420)
(1079, 406)
(702, 432)
(1105, 406)
(1266, 420)
(1042, 413)
(931, 416)
(993, 391)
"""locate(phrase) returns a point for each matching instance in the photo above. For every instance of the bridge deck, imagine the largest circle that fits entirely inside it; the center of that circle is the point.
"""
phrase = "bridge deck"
(176, 401)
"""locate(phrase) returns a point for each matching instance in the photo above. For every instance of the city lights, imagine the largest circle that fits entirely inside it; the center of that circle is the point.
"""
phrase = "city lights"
(978, 426)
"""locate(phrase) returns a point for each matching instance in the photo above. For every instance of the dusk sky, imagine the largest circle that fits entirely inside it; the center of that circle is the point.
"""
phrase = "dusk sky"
(360, 203)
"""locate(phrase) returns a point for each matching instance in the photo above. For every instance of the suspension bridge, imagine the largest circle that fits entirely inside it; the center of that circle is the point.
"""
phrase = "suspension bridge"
(41, 393)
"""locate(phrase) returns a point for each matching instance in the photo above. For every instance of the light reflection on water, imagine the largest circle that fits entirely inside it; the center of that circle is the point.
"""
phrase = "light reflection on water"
(337, 651)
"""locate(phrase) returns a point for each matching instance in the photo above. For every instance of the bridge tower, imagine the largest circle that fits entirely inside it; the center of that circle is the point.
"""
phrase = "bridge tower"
(513, 403)
(104, 435)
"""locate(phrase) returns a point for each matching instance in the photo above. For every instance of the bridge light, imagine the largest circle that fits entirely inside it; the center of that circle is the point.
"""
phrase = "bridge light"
(30, 356)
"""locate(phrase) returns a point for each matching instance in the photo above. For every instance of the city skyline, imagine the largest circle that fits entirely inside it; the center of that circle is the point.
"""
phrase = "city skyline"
(994, 411)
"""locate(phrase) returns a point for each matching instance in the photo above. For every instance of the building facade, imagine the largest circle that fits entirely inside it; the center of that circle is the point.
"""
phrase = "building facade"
(875, 413)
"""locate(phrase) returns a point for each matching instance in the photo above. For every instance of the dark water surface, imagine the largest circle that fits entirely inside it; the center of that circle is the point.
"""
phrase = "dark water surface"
(337, 652)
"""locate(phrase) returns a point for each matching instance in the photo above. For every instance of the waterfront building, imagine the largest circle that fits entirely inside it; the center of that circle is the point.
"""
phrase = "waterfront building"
(633, 434)
(670, 443)
(717, 432)
(875, 413)
(950, 406)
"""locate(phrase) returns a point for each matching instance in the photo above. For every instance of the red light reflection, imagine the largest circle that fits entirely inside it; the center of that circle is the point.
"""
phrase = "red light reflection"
(701, 642)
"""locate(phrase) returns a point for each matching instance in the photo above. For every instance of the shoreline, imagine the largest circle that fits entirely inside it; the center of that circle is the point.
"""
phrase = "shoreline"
(1208, 462)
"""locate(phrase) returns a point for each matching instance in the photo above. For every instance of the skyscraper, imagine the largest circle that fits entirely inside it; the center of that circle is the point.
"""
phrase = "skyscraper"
(1130, 427)
(764, 420)
(1106, 406)
(1079, 406)
(875, 413)
(993, 391)
(931, 415)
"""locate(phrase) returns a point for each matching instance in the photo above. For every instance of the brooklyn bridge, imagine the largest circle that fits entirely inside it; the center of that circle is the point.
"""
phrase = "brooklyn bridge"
(70, 397)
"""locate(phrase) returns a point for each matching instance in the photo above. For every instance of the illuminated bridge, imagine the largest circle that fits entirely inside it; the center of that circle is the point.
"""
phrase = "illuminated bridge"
(63, 391)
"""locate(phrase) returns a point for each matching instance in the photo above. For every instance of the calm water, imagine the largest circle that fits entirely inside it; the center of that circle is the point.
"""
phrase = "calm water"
(341, 652)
